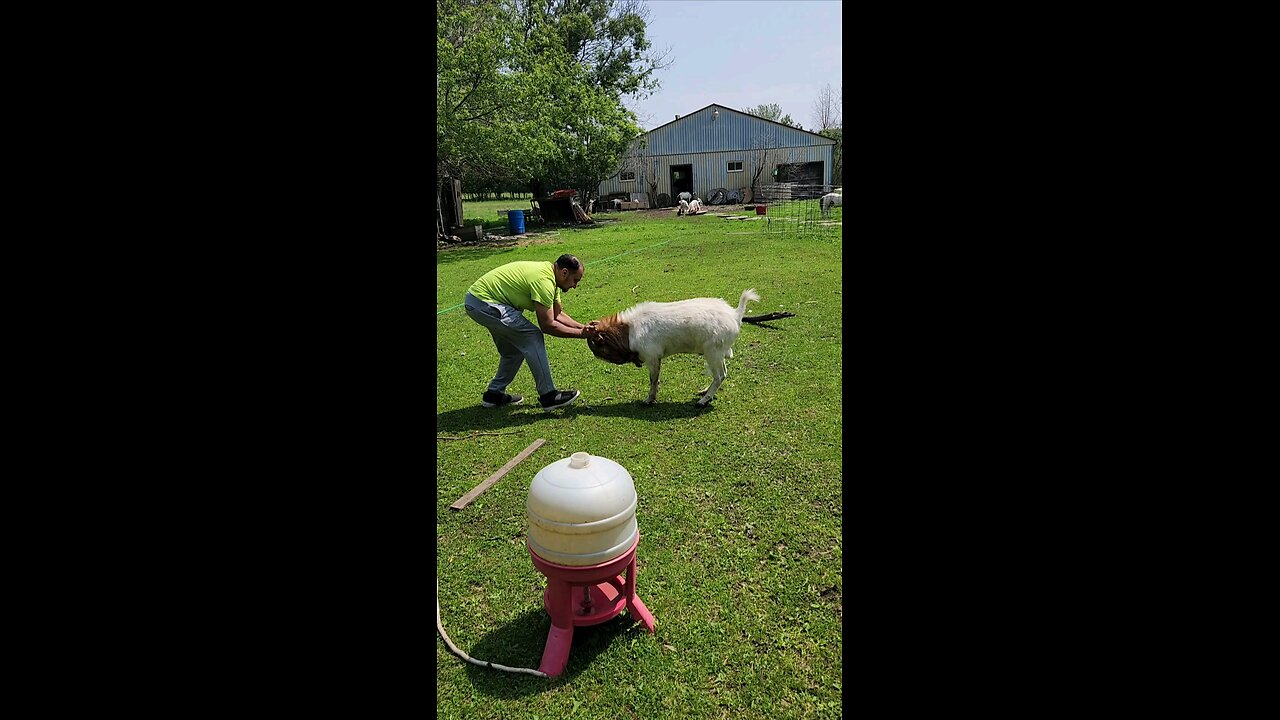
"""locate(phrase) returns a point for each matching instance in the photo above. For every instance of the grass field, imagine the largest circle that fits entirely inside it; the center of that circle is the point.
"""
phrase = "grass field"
(740, 557)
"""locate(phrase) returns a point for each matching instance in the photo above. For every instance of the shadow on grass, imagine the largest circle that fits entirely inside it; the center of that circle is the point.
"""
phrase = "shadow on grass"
(500, 246)
(520, 643)
(500, 243)
(486, 419)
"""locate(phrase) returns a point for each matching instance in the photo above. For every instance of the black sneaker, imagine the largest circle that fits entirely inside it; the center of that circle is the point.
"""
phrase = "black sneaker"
(553, 400)
(497, 399)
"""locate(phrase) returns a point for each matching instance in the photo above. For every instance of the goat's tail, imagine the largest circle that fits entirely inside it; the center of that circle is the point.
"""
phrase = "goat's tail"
(742, 302)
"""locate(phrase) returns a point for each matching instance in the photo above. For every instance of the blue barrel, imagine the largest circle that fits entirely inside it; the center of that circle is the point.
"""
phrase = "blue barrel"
(515, 221)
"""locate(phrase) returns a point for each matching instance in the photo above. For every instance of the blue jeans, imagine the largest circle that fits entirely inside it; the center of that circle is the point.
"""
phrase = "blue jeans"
(517, 340)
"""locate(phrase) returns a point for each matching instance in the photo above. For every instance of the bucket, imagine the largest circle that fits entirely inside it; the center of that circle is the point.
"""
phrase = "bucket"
(515, 221)
(759, 209)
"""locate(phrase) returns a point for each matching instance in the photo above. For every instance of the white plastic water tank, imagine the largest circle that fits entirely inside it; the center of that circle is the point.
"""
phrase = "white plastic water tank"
(582, 511)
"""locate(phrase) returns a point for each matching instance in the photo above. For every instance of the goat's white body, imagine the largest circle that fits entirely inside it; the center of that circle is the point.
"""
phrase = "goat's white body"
(701, 326)
(689, 207)
(828, 201)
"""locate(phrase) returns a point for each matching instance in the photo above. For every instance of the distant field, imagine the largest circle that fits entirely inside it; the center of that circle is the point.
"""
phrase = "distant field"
(491, 213)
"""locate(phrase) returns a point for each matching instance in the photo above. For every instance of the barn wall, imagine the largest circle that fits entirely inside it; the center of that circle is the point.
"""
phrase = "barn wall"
(709, 143)
(710, 170)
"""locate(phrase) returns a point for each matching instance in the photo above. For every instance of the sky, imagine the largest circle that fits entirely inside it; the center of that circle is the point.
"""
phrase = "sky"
(742, 53)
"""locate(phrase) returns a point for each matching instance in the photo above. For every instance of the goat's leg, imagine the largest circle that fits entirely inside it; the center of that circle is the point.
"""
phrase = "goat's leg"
(704, 390)
(654, 367)
(719, 371)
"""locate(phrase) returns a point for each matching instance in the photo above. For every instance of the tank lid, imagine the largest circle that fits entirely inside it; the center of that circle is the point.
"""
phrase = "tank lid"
(581, 489)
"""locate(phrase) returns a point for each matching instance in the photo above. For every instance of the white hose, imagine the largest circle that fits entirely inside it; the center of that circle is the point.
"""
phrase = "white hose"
(482, 663)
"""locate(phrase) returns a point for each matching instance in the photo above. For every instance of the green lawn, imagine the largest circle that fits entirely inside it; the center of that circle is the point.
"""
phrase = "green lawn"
(740, 557)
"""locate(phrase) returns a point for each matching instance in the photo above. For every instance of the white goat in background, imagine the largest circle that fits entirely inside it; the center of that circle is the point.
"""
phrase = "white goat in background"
(829, 200)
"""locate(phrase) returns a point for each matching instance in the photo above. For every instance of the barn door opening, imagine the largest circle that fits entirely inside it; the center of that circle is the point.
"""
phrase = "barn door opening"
(806, 176)
(681, 180)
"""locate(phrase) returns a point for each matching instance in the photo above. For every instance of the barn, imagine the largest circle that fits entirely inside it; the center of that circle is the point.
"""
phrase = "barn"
(718, 147)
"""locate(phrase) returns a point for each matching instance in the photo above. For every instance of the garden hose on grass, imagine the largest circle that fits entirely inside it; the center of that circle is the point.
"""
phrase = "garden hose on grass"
(482, 663)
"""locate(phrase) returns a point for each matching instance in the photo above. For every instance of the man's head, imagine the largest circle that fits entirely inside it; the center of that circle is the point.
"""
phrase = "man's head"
(568, 272)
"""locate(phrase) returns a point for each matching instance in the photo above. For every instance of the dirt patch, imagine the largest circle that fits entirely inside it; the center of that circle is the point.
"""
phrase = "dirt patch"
(735, 207)
(502, 241)
(539, 238)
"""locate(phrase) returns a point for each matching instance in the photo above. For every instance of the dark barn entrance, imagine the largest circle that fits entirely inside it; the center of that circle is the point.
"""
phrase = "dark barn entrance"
(807, 177)
(681, 180)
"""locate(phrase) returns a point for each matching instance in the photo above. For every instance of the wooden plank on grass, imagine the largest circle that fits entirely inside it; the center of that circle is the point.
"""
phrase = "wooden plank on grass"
(475, 492)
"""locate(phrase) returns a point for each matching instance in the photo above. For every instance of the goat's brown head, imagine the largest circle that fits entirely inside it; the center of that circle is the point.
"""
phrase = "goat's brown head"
(609, 343)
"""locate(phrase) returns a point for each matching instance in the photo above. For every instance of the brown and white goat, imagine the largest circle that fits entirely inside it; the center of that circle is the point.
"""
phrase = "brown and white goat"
(650, 331)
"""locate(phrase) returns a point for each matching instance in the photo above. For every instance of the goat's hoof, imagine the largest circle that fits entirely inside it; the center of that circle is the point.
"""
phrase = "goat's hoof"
(646, 402)
(702, 403)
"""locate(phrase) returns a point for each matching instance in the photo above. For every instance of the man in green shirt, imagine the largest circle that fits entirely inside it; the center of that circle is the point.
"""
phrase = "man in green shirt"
(497, 301)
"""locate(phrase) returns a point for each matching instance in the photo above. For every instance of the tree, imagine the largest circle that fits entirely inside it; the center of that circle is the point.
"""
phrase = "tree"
(601, 54)
(772, 112)
(531, 90)
(640, 161)
(826, 109)
(597, 131)
(826, 116)
(490, 121)
(763, 158)
(605, 36)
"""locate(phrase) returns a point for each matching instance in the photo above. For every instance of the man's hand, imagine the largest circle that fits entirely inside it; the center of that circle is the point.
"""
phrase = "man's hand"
(591, 330)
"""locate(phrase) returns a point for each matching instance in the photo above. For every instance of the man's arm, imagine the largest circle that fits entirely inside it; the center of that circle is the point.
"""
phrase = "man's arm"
(551, 325)
(559, 314)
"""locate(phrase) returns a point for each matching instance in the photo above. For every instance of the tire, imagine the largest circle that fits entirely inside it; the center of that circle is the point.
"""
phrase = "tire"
(718, 196)
(664, 200)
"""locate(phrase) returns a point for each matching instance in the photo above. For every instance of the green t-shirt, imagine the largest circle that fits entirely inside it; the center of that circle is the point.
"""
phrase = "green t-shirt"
(519, 284)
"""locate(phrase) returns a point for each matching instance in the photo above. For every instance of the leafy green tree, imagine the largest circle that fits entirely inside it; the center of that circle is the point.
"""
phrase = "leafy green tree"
(584, 56)
(489, 124)
(531, 90)
(607, 37)
(594, 138)
(770, 111)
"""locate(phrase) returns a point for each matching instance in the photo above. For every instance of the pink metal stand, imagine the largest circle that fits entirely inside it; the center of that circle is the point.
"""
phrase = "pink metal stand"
(604, 595)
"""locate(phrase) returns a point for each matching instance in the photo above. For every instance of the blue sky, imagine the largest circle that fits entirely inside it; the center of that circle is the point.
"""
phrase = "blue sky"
(741, 53)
